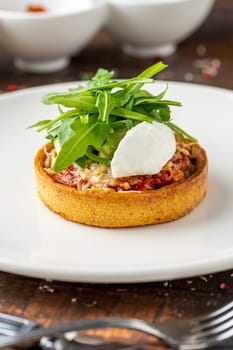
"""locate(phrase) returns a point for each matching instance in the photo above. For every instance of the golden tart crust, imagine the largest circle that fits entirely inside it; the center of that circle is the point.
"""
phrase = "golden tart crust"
(123, 209)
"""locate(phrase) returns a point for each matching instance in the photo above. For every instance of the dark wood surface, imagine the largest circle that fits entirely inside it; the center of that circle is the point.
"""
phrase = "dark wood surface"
(51, 302)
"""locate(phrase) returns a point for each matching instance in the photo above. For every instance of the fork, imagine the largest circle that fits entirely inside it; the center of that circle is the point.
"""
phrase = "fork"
(196, 333)
(188, 334)
(11, 326)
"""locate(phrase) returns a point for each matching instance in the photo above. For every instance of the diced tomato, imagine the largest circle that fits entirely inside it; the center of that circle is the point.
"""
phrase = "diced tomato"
(165, 177)
(67, 177)
(174, 171)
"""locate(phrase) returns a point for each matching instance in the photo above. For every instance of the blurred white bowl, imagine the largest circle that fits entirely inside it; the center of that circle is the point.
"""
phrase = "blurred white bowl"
(153, 27)
(44, 41)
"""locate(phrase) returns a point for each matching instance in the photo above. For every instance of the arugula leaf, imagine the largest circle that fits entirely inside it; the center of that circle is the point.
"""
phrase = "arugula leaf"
(181, 132)
(76, 146)
(120, 98)
(81, 162)
(103, 103)
(102, 77)
(80, 102)
(91, 155)
(40, 123)
(147, 73)
(153, 70)
(84, 118)
(97, 115)
(61, 117)
(65, 131)
(129, 114)
(113, 139)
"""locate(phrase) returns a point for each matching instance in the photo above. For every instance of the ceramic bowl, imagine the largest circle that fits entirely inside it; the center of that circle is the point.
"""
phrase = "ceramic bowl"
(154, 27)
(44, 41)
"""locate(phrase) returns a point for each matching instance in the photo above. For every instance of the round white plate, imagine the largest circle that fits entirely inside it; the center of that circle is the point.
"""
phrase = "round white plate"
(38, 243)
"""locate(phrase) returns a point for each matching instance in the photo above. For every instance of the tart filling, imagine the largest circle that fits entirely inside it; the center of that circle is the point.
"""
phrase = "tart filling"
(99, 176)
(128, 208)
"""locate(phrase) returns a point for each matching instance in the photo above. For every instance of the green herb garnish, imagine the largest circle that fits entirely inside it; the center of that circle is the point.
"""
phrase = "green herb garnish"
(98, 115)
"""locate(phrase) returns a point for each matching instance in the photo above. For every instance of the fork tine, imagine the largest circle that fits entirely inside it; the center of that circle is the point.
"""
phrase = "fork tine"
(212, 322)
(216, 329)
(221, 336)
(191, 343)
(216, 313)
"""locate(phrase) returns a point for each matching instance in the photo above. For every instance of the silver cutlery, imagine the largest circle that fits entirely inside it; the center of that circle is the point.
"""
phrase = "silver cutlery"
(197, 333)
(62, 344)
(13, 325)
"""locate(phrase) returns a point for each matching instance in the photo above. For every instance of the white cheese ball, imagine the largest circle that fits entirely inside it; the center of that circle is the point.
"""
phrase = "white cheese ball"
(144, 150)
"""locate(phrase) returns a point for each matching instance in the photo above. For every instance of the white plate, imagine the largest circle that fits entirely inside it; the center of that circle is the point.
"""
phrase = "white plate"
(36, 242)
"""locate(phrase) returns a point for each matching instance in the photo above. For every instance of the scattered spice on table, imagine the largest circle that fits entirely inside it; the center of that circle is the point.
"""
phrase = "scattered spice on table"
(209, 67)
(12, 87)
(212, 69)
(74, 300)
(204, 278)
(46, 289)
(90, 304)
(223, 286)
(189, 281)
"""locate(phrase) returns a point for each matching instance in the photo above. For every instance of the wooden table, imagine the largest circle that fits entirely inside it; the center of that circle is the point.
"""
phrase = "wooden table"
(50, 302)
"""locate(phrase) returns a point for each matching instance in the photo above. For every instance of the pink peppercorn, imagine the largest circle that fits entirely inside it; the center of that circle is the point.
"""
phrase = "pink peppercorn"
(223, 286)
(12, 87)
(209, 72)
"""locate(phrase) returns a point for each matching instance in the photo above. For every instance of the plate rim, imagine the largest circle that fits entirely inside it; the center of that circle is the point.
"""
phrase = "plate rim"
(112, 275)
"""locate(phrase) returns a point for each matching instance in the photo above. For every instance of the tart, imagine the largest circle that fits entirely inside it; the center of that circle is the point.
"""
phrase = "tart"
(115, 157)
(111, 208)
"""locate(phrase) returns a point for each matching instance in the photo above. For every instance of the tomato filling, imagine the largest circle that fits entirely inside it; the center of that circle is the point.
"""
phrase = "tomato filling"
(99, 176)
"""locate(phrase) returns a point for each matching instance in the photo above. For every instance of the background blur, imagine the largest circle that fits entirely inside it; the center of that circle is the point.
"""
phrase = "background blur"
(211, 46)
